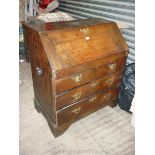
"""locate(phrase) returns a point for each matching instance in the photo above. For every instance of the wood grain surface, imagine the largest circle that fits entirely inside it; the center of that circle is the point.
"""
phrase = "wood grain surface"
(71, 63)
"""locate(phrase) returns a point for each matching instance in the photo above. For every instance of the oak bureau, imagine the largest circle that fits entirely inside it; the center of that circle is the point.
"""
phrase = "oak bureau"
(76, 67)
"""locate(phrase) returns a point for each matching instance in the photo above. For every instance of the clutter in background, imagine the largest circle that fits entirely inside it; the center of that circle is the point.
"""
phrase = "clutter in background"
(37, 7)
(30, 8)
(47, 6)
(55, 17)
(44, 3)
(127, 89)
(45, 10)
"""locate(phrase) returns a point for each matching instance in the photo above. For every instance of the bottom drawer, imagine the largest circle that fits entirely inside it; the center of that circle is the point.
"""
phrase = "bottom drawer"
(86, 106)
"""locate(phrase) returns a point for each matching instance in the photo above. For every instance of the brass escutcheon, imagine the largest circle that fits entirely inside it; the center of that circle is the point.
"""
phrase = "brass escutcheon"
(85, 30)
(77, 78)
(92, 99)
(77, 95)
(94, 84)
(77, 110)
(112, 66)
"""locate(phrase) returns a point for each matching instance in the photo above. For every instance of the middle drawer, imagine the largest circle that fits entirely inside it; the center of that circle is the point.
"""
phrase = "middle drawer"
(86, 90)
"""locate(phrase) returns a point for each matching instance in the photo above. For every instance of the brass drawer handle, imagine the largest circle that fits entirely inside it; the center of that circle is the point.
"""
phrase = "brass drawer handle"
(39, 71)
(92, 99)
(107, 96)
(76, 111)
(112, 66)
(94, 84)
(77, 95)
(77, 78)
(110, 81)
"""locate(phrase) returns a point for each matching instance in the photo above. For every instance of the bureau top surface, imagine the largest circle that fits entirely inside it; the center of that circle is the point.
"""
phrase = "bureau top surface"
(42, 27)
(77, 42)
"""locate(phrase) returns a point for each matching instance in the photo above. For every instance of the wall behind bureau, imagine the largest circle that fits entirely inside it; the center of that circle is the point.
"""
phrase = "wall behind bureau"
(116, 10)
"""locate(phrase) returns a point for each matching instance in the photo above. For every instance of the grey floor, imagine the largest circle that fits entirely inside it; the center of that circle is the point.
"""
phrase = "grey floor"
(36, 137)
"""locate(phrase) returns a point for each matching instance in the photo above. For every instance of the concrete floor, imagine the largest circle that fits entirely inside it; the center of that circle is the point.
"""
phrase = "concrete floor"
(36, 137)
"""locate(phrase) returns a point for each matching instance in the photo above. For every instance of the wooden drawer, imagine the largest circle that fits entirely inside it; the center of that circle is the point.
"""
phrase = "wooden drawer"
(111, 67)
(86, 106)
(69, 71)
(79, 93)
(76, 80)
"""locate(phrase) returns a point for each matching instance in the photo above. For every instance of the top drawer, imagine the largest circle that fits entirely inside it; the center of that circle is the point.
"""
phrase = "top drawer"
(89, 75)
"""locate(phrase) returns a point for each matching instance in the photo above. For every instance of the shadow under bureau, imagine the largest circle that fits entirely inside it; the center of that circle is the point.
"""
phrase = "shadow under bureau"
(76, 67)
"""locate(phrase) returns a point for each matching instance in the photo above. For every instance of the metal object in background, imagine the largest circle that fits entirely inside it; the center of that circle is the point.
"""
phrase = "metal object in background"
(114, 10)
